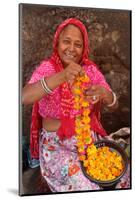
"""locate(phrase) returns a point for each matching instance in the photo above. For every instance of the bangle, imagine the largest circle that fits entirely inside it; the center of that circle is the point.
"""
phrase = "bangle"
(45, 86)
(114, 100)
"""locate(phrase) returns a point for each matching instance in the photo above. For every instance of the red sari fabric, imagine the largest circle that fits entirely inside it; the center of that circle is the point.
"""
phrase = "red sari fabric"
(67, 128)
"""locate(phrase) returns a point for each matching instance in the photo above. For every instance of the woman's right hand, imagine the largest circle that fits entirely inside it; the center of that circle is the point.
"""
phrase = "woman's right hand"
(34, 92)
(71, 71)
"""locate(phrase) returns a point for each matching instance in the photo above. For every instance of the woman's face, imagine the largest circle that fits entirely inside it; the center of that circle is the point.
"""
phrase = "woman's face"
(70, 45)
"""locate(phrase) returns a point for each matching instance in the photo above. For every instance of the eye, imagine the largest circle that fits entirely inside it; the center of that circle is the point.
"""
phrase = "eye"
(78, 45)
(66, 41)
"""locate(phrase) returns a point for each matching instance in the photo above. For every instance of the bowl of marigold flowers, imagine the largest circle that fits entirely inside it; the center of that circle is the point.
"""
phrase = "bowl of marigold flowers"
(105, 163)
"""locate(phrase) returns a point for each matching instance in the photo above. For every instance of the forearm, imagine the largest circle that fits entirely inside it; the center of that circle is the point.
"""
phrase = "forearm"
(110, 101)
(55, 80)
(34, 92)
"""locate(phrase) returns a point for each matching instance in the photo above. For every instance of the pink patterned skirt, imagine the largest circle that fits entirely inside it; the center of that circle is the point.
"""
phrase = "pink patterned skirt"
(61, 168)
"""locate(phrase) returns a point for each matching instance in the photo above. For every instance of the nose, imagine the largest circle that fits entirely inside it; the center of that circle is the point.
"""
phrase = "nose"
(71, 47)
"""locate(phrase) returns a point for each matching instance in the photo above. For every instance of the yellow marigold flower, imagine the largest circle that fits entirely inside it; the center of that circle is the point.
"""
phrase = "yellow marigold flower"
(86, 120)
(85, 104)
(81, 79)
(85, 163)
(78, 130)
(81, 149)
(91, 149)
(78, 123)
(84, 78)
(77, 106)
(77, 99)
(87, 128)
(77, 91)
(86, 112)
(79, 144)
(88, 140)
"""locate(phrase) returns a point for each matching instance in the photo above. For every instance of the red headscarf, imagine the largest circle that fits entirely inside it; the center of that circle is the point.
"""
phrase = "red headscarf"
(67, 120)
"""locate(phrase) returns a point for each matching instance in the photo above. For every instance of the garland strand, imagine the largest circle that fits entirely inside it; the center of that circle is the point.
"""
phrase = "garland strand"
(82, 121)
(100, 163)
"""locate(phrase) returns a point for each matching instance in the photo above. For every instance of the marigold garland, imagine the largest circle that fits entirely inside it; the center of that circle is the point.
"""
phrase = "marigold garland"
(100, 163)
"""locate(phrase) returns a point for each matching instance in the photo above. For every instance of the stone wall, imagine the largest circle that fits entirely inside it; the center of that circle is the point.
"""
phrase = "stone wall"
(109, 38)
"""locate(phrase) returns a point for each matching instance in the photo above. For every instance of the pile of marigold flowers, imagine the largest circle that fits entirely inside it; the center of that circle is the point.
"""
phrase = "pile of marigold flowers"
(100, 163)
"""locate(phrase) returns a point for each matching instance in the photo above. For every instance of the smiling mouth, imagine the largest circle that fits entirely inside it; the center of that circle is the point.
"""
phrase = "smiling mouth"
(69, 56)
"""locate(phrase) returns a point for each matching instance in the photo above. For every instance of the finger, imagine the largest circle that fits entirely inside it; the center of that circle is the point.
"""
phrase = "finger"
(94, 87)
(93, 98)
(77, 67)
(71, 82)
(71, 77)
(95, 101)
(94, 90)
(91, 93)
(75, 72)
(82, 72)
(90, 90)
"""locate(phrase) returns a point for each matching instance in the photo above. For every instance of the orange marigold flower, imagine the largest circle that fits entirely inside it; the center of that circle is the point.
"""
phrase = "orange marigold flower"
(87, 128)
(82, 157)
(85, 104)
(77, 91)
(77, 106)
(81, 149)
(84, 79)
(86, 120)
(86, 112)
(80, 144)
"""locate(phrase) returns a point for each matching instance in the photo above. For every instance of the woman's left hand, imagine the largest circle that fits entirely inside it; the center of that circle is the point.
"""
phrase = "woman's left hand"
(97, 93)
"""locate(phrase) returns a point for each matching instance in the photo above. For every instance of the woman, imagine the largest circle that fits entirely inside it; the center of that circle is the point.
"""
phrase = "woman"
(50, 89)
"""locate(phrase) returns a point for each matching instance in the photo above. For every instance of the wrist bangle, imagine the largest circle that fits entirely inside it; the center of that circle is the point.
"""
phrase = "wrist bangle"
(45, 86)
(114, 100)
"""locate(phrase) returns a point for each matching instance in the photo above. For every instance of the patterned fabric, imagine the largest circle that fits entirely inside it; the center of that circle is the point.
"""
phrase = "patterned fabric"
(50, 105)
(60, 166)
